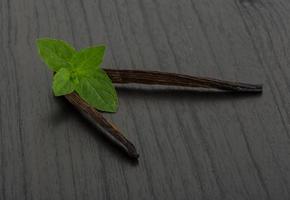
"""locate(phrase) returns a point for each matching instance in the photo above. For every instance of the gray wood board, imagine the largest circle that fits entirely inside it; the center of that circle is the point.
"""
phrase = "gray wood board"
(192, 144)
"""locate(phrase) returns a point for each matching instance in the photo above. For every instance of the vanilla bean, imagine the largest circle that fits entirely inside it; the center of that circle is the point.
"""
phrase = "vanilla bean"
(115, 134)
(172, 79)
(152, 78)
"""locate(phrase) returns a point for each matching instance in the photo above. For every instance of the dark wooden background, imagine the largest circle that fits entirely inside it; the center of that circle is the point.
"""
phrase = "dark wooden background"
(193, 145)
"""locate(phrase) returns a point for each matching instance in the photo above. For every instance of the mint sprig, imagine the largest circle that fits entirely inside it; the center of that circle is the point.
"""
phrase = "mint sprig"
(79, 71)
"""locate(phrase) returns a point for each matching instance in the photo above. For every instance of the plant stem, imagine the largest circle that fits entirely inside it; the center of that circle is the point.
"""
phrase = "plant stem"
(113, 131)
(164, 78)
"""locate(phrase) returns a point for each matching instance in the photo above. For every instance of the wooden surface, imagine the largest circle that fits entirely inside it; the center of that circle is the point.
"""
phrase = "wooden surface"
(192, 144)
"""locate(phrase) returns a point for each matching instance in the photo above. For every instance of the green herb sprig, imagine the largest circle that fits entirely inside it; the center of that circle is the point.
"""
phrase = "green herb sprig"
(80, 72)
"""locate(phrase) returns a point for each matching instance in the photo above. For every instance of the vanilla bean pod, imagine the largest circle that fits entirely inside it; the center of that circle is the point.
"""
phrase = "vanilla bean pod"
(124, 76)
(113, 131)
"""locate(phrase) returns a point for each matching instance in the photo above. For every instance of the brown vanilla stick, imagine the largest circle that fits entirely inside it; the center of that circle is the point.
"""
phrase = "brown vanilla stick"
(172, 79)
(114, 133)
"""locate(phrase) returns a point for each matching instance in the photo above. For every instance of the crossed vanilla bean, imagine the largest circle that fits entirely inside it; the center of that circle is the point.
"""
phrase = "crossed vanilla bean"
(115, 134)
(153, 78)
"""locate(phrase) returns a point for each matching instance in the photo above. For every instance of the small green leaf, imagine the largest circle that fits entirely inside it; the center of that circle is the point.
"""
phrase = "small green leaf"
(55, 53)
(63, 82)
(80, 72)
(89, 57)
(97, 90)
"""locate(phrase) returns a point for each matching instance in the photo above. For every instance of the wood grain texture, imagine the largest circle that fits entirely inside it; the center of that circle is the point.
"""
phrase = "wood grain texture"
(192, 145)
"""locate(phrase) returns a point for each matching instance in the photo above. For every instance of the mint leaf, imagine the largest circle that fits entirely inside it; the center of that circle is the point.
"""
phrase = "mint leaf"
(97, 90)
(89, 57)
(63, 82)
(55, 53)
(80, 72)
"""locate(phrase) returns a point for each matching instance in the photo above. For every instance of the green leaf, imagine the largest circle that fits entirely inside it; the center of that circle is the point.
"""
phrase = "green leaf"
(97, 90)
(89, 57)
(55, 53)
(63, 82)
(80, 72)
